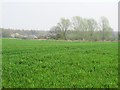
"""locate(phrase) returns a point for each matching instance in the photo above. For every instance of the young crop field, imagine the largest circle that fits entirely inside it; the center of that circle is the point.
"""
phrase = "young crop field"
(59, 64)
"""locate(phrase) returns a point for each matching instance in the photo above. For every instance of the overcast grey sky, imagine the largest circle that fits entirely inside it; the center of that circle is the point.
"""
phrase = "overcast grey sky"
(44, 15)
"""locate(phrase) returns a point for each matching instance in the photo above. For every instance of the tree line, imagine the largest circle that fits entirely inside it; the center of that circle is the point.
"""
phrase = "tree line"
(79, 28)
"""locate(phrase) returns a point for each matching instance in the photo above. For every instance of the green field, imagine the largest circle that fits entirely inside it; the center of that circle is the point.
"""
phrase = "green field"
(59, 64)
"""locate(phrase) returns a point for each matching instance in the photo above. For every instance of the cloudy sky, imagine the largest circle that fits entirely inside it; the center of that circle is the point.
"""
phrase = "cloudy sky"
(42, 15)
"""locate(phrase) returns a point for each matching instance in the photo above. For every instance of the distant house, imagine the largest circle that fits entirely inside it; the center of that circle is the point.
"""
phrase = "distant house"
(32, 37)
(24, 37)
(12, 35)
(16, 35)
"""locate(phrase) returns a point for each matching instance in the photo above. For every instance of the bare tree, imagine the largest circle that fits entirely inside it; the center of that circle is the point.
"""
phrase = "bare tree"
(92, 27)
(105, 28)
(78, 25)
(55, 32)
(64, 25)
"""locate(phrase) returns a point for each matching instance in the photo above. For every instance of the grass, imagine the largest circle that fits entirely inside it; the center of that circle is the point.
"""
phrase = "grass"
(59, 64)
